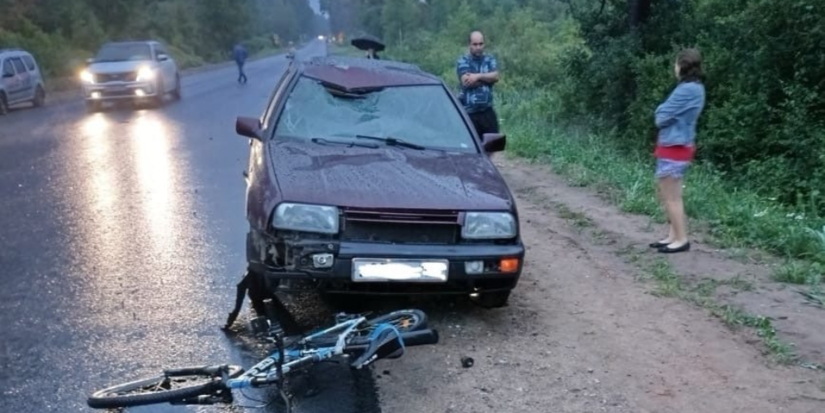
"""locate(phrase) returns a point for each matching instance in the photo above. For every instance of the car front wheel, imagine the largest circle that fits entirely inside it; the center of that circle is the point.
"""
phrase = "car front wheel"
(39, 97)
(4, 104)
(177, 93)
(92, 106)
(161, 92)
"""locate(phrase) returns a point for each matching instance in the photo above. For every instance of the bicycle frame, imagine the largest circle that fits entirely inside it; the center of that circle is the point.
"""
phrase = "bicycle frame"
(262, 373)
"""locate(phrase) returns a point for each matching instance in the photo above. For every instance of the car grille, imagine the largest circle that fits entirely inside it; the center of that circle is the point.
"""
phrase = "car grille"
(401, 227)
(116, 77)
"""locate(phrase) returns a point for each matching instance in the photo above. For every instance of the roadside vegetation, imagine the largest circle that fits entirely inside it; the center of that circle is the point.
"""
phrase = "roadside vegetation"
(63, 34)
(581, 78)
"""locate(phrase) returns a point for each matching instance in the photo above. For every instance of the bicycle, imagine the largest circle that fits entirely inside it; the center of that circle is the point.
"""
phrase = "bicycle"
(367, 340)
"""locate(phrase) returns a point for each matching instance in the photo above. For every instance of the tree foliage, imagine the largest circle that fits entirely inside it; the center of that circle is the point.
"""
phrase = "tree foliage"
(610, 62)
(62, 33)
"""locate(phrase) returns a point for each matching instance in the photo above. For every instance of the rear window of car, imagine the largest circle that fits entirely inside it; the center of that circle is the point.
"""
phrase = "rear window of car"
(421, 114)
(29, 62)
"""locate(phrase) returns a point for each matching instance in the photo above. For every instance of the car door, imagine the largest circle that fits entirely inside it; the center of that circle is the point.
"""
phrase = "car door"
(36, 76)
(26, 91)
(11, 84)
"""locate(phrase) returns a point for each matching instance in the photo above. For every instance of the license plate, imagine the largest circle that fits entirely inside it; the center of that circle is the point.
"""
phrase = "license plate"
(407, 270)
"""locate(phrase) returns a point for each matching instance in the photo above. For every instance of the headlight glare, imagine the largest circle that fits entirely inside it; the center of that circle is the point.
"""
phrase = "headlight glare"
(87, 76)
(145, 73)
(307, 218)
(489, 225)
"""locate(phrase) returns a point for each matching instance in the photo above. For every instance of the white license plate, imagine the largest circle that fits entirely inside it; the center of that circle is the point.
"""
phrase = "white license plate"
(387, 270)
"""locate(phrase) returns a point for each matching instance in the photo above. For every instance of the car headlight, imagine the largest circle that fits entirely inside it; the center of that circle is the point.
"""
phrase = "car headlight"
(489, 225)
(87, 76)
(145, 73)
(307, 218)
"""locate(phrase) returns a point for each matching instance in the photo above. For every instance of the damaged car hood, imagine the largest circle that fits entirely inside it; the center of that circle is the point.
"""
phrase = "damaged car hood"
(386, 177)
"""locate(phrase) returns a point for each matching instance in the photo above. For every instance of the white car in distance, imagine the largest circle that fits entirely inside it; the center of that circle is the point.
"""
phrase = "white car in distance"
(139, 71)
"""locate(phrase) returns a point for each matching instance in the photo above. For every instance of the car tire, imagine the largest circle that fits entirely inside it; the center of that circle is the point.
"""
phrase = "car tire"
(492, 300)
(177, 92)
(39, 97)
(157, 101)
(4, 104)
(92, 106)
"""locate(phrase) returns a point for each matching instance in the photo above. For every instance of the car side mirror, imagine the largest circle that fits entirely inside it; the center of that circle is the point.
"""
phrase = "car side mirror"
(494, 142)
(249, 127)
(163, 57)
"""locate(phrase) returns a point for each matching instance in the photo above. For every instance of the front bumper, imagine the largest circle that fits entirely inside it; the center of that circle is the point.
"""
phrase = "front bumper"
(119, 90)
(338, 278)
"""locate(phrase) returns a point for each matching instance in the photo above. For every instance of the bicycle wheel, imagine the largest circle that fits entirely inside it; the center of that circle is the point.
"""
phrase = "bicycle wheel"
(404, 320)
(172, 385)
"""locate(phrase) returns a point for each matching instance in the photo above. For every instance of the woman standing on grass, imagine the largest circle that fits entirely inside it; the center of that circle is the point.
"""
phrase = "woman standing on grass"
(676, 120)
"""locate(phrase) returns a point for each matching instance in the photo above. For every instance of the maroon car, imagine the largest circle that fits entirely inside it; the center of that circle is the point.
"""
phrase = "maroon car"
(366, 176)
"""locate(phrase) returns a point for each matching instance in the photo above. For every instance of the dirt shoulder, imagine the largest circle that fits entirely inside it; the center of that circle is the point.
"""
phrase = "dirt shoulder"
(599, 322)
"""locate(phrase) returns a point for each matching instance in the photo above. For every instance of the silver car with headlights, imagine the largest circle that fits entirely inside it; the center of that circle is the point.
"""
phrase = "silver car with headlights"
(141, 71)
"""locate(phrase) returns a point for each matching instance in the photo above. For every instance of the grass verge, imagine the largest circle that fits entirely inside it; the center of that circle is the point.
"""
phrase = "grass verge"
(733, 217)
(668, 283)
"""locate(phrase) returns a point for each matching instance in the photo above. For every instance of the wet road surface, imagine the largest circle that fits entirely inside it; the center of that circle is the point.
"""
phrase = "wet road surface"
(122, 239)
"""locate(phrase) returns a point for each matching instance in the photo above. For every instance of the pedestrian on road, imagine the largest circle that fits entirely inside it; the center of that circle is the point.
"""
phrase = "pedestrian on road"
(676, 120)
(477, 73)
(240, 55)
(372, 54)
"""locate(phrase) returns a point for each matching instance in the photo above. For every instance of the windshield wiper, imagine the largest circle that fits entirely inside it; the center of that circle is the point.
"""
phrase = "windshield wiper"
(394, 142)
(324, 141)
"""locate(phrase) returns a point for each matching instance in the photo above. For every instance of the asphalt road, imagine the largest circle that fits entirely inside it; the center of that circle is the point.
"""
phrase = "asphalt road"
(122, 239)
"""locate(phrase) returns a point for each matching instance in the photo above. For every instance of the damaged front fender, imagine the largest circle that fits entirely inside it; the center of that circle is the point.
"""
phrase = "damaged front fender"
(289, 251)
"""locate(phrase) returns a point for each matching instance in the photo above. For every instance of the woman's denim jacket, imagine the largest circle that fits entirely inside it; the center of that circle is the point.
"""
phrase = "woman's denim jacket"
(676, 118)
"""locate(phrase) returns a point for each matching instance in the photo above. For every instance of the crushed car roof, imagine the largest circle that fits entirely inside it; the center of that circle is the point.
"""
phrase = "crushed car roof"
(351, 73)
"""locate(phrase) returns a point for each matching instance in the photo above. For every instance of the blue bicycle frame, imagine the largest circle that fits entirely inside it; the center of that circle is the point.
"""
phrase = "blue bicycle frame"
(262, 373)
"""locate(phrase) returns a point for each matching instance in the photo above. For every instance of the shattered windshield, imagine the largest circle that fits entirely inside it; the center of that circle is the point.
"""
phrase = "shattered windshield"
(422, 115)
(123, 52)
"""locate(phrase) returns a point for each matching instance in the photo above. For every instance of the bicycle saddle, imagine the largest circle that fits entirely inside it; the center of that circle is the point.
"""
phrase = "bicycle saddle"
(385, 342)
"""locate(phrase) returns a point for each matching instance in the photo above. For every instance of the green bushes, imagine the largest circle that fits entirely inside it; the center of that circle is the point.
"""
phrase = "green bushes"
(763, 124)
(62, 34)
(580, 85)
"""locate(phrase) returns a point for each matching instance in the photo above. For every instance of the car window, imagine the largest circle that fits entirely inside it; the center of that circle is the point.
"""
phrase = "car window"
(124, 52)
(422, 114)
(18, 65)
(8, 68)
(29, 62)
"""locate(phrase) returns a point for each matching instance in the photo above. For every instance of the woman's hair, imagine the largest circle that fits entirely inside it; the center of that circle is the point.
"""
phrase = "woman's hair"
(690, 65)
